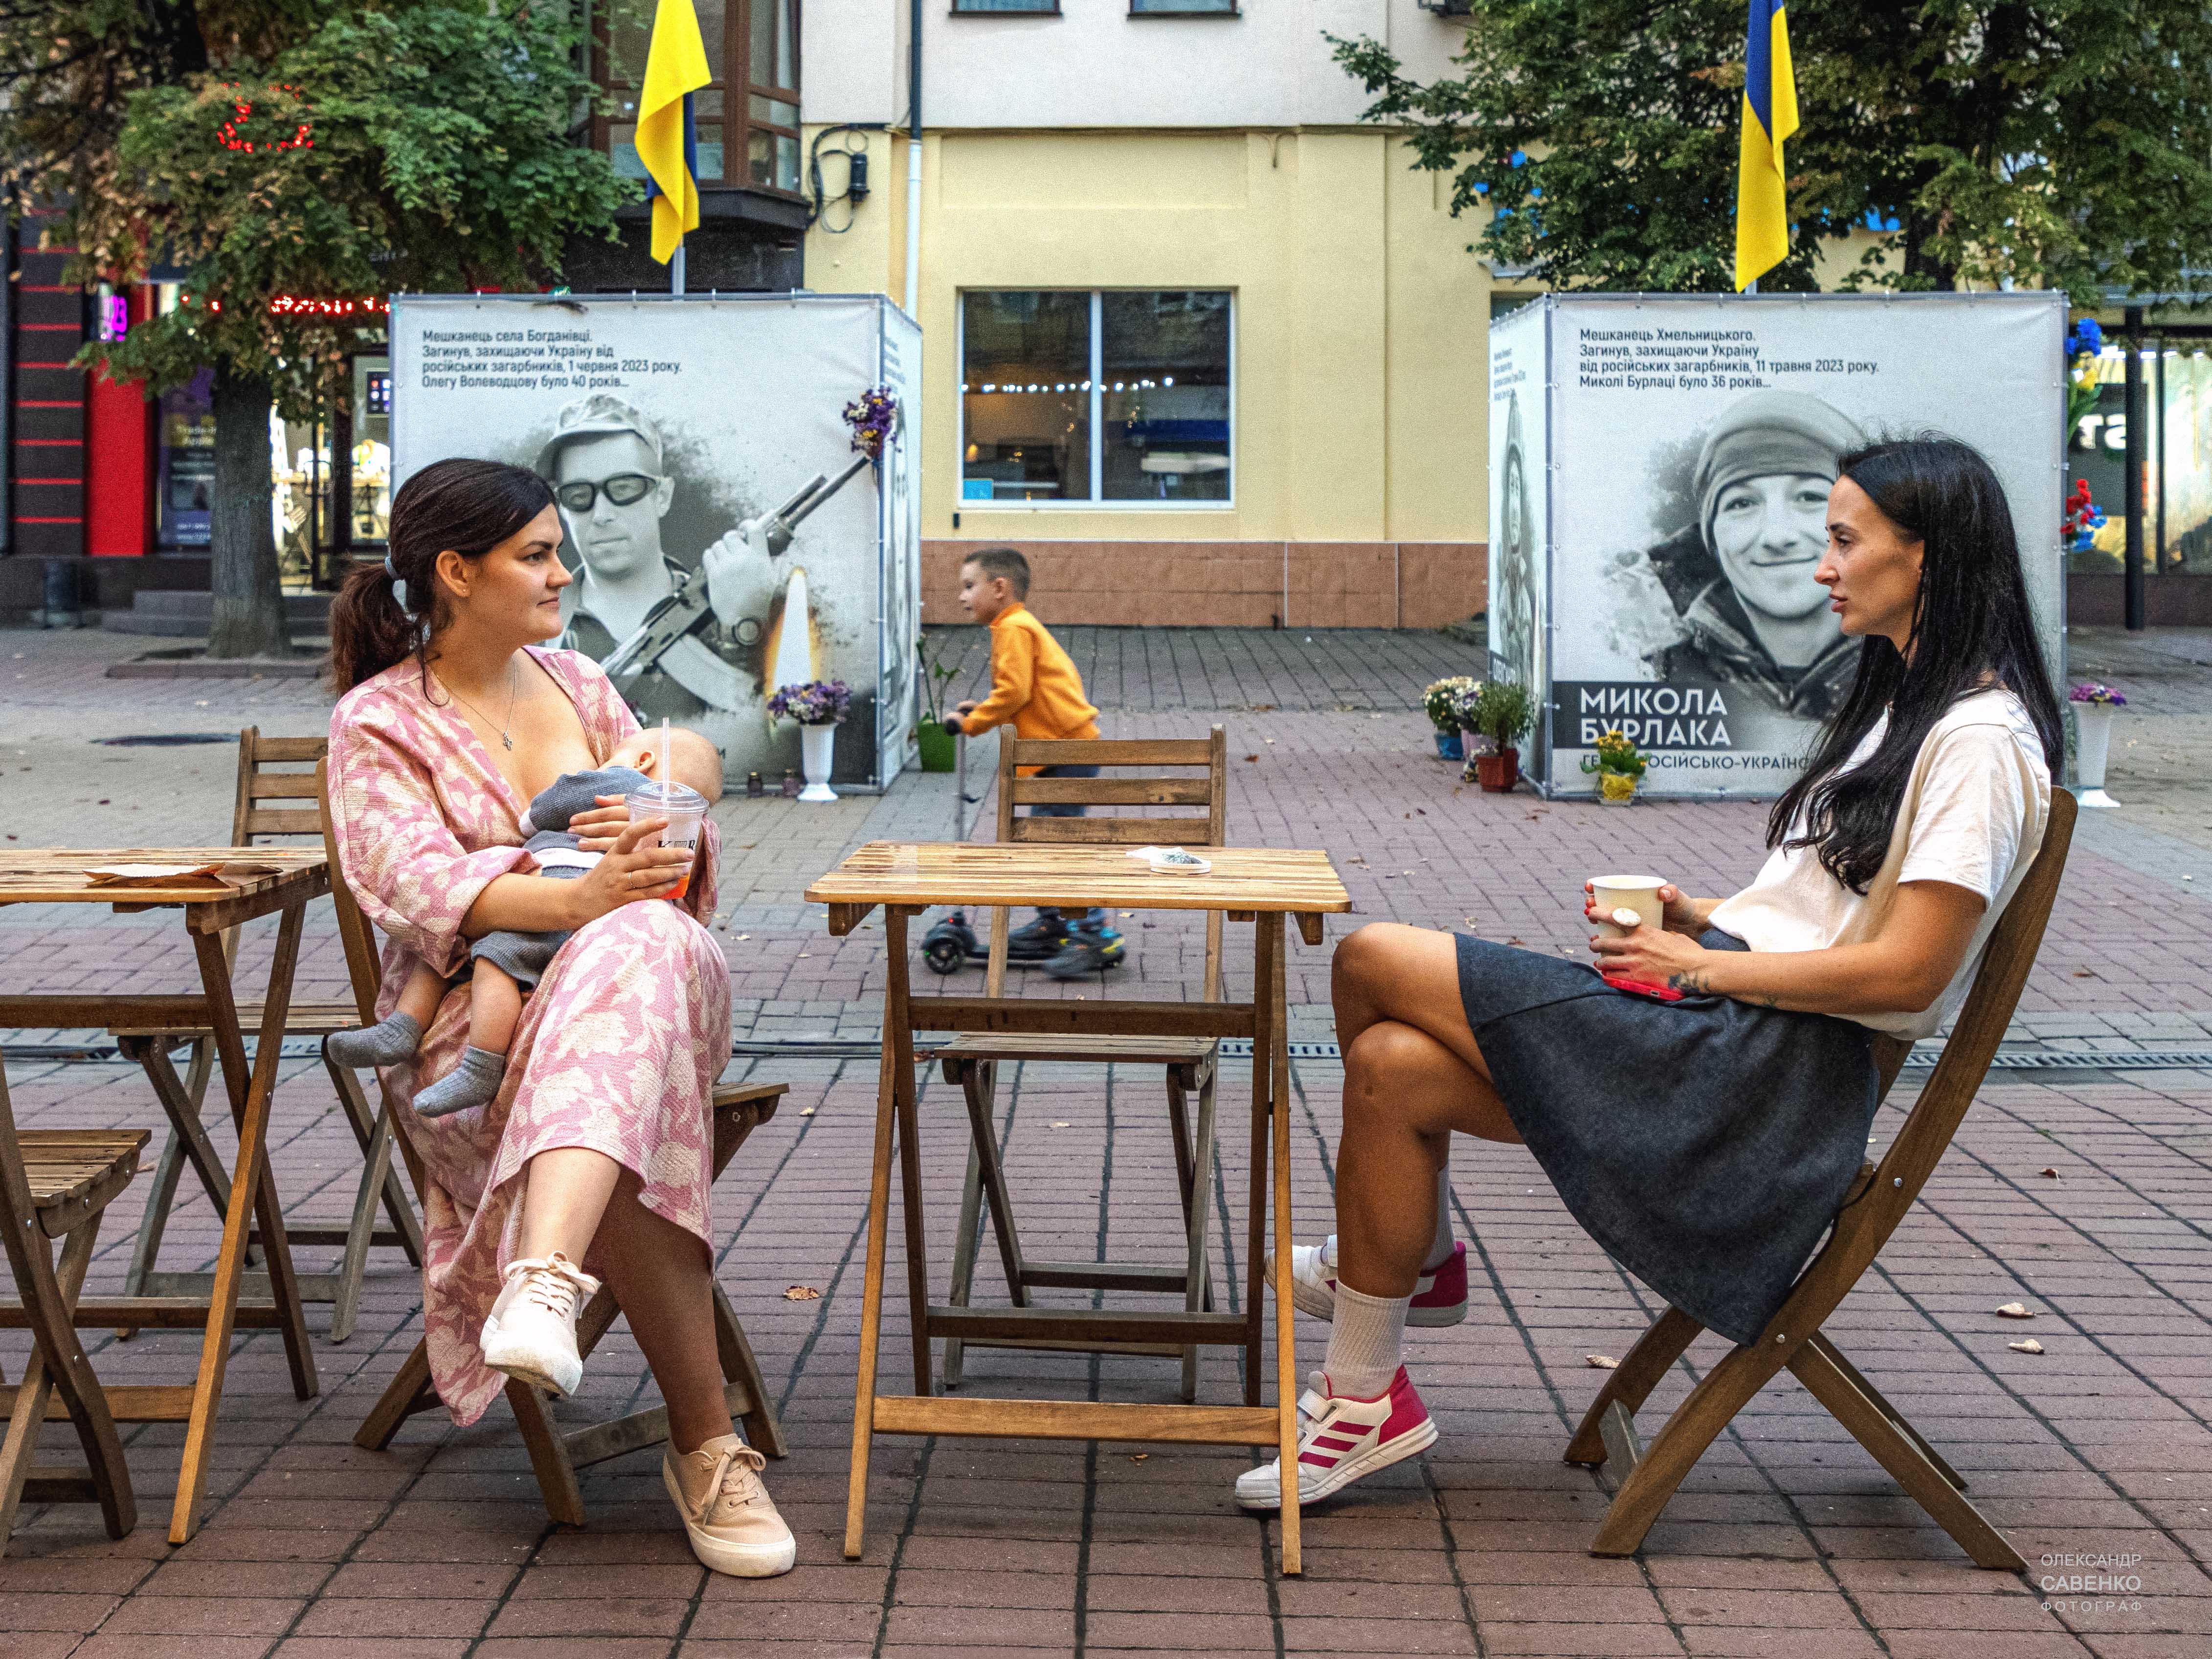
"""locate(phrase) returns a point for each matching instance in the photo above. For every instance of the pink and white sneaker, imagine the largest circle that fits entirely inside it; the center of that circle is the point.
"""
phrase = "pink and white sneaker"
(1341, 1439)
(1439, 1295)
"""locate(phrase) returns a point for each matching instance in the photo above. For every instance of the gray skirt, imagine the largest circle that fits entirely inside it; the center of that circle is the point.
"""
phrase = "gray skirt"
(1705, 1144)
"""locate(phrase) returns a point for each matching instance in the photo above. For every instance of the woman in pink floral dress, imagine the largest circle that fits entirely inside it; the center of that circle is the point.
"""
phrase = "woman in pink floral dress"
(594, 1153)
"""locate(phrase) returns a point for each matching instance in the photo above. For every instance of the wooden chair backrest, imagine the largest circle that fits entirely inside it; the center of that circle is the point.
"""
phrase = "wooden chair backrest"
(1120, 755)
(1866, 1222)
(264, 793)
(363, 967)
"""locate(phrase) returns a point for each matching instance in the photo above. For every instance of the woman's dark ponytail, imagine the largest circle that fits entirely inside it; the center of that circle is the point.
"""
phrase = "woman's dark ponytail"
(384, 613)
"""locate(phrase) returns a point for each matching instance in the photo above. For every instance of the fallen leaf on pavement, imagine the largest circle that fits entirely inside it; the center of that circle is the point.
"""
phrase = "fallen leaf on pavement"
(2016, 1310)
(1251, 758)
(1138, 1457)
(2051, 1174)
(2029, 1346)
(802, 1293)
(1062, 1124)
(1600, 1361)
(807, 1111)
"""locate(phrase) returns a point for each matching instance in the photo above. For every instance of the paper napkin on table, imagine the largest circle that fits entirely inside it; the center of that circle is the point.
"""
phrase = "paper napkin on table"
(174, 875)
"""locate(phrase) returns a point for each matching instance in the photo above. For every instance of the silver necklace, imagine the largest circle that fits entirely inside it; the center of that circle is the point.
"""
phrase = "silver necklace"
(513, 689)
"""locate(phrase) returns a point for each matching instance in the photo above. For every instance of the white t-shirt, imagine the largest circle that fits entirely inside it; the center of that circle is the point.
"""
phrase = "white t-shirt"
(1972, 814)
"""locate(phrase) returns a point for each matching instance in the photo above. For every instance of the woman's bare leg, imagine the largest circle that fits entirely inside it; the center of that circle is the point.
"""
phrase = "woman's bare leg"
(564, 1197)
(1412, 1074)
(580, 1201)
(662, 1276)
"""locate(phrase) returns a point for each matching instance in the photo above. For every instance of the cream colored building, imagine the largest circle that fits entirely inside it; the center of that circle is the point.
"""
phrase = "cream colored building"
(1196, 340)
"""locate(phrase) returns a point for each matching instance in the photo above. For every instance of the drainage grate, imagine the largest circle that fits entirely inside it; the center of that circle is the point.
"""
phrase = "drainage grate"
(165, 739)
(837, 1047)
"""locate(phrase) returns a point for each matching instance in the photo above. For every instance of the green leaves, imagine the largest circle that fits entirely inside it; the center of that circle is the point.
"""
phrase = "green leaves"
(2063, 143)
(427, 147)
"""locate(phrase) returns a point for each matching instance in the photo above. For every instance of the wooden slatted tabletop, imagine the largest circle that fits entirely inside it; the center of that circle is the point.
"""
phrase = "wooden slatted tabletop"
(1242, 879)
(57, 875)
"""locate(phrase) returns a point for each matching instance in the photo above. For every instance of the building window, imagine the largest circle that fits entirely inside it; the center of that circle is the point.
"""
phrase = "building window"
(971, 7)
(1182, 8)
(1116, 397)
(746, 120)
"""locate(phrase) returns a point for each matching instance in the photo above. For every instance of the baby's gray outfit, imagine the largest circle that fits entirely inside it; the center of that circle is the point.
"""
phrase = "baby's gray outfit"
(524, 957)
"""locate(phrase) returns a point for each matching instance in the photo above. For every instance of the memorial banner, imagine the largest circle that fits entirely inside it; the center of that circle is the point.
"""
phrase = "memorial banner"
(725, 536)
(1684, 449)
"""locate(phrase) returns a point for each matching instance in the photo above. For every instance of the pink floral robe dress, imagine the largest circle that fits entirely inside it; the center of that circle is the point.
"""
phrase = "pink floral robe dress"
(618, 1047)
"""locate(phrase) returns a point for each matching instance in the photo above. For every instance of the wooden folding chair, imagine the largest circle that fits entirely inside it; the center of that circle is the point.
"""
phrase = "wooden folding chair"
(57, 1183)
(1878, 1201)
(1190, 1063)
(738, 1109)
(264, 808)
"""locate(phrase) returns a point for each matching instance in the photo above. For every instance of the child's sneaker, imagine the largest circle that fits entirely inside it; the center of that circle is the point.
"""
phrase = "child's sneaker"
(1341, 1439)
(531, 1332)
(1439, 1295)
(1037, 940)
(1088, 950)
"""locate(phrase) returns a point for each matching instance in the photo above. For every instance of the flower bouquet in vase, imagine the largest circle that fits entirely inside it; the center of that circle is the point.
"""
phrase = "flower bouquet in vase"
(2094, 703)
(1445, 702)
(818, 706)
(1501, 710)
(1619, 766)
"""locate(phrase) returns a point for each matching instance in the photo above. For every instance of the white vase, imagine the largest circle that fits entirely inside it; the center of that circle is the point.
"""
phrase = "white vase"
(815, 744)
(2093, 743)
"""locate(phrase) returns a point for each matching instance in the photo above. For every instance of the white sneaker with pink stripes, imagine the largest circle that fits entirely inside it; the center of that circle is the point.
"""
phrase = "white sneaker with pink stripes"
(1342, 1439)
(1439, 1295)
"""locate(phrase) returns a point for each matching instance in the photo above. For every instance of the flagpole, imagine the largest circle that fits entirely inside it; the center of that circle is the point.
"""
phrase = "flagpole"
(675, 270)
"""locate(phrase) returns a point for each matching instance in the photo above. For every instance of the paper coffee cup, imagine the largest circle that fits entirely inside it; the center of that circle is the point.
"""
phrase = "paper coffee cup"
(1637, 893)
(684, 808)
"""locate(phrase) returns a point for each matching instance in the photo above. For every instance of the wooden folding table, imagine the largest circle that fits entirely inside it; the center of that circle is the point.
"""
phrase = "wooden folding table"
(1257, 885)
(251, 1214)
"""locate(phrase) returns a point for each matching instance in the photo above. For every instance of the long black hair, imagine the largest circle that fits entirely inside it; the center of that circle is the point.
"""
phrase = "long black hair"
(1971, 627)
(465, 507)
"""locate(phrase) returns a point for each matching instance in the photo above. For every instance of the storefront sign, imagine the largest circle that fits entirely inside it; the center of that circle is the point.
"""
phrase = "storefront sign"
(1660, 469)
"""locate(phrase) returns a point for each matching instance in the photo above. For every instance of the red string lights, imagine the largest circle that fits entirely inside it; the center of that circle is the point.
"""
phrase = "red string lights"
(226, 135)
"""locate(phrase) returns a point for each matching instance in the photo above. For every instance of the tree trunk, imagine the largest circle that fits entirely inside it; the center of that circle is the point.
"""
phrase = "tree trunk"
(249, 603)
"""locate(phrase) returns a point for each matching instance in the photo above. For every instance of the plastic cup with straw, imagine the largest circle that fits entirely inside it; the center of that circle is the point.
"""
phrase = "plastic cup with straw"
(683, 807)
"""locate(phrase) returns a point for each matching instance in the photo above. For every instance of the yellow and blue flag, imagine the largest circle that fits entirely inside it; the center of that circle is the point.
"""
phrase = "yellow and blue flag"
(1770, 115)
(675, 68)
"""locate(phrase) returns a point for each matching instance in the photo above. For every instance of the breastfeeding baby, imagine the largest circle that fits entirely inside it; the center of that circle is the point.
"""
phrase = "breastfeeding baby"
(505, 965)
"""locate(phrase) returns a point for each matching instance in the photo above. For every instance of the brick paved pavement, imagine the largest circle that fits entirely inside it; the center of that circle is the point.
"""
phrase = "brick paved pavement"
(1787, 1539)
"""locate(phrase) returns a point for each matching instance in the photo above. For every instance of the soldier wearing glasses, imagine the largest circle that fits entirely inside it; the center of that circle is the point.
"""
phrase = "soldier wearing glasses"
(604, 462)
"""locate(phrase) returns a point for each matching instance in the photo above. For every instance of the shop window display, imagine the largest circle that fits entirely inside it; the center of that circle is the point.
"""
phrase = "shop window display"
(2178, 477)
(1117, 396)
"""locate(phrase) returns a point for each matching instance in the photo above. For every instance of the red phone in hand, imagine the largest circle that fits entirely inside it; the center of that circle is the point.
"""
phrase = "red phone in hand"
(1644, 987)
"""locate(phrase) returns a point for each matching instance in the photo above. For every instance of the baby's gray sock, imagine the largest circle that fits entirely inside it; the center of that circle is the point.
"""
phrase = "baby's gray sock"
(471, 1083)
(390, 1040)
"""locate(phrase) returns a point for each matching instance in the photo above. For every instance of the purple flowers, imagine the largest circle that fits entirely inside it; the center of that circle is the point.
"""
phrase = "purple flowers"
(873, 415)
(817, 702)
(2098, 693)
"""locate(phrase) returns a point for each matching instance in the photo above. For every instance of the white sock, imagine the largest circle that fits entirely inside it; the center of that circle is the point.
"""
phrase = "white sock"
(1440, 1247)
(1366, 1341)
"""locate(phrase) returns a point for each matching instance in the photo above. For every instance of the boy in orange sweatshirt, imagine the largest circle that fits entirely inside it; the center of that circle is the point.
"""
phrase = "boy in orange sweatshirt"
(1034, 688)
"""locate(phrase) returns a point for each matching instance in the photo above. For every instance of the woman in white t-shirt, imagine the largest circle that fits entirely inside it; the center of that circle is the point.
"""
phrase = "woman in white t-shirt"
(1705, 1131)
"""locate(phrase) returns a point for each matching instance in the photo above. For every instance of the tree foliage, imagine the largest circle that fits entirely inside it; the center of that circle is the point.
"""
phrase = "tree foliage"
(2058, 143)
(297, 159)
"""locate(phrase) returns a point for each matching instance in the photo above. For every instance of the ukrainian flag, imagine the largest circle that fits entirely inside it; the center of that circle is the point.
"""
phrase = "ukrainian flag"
(1770, 115)
(675, 68)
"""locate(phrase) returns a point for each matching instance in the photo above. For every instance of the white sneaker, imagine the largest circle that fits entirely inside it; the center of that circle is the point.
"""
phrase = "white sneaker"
(1342, 1439)
(531, 1332)
(734, 1527)
(1439, 1295)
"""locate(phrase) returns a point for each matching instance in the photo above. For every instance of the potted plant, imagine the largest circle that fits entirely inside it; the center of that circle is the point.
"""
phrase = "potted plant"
(2094, 703)
(818, 706)
(1619, 767)
(937, 745)
(1501, 711)
(1446, 702)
